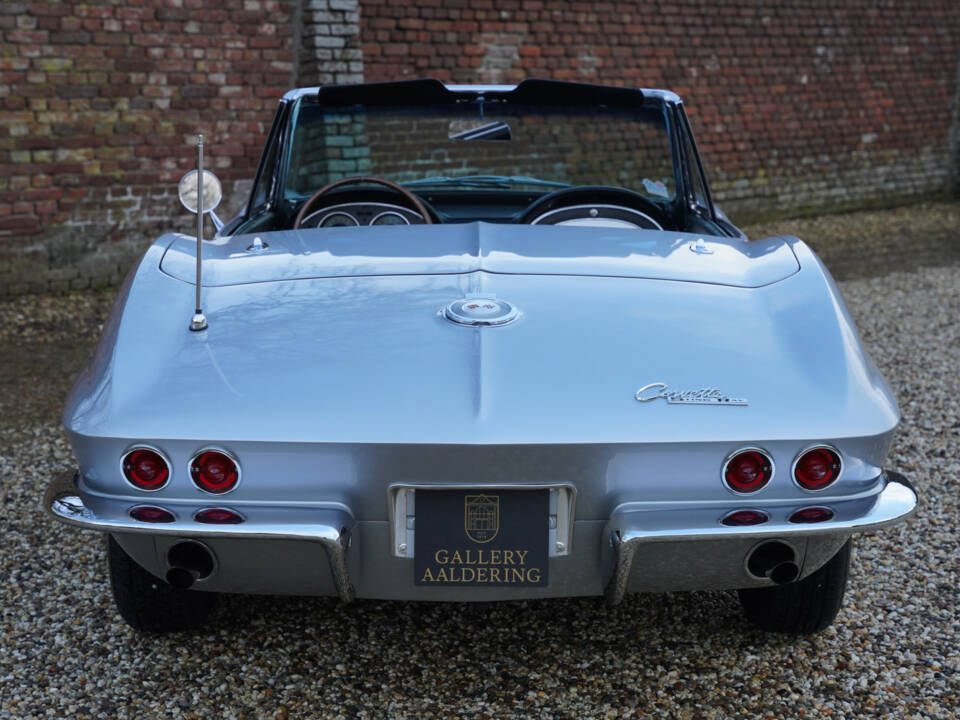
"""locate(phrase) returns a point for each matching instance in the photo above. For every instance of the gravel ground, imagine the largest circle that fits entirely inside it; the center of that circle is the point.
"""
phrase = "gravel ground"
(892, 653)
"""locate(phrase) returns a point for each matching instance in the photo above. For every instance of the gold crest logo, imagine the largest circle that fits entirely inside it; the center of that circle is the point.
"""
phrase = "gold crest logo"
(481, 517)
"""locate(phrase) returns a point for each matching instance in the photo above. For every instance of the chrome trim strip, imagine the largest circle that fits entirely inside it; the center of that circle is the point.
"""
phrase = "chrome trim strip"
(63, 502)
(796, 459)
(151, 448)
(236, 502)
(397, 501)
(894, 504)
(769, 504)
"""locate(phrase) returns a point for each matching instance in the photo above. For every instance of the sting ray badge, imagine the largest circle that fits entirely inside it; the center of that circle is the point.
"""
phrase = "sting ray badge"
(704, 396)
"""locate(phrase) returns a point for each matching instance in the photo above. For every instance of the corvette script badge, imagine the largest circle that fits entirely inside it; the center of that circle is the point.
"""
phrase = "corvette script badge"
(705, 396)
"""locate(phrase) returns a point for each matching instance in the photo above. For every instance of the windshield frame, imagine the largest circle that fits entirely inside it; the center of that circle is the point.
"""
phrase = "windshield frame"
(641, 101)
(334, 95)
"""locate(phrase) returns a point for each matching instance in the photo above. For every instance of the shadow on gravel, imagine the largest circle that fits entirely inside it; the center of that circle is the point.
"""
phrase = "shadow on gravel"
(477, 653)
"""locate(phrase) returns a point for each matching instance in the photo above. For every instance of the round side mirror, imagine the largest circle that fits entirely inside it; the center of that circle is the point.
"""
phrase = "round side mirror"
(212, 191)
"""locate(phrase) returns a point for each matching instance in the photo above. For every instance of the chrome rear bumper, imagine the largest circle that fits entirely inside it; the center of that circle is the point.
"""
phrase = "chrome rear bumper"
(606, 558)
(327, 527)
(629, 531)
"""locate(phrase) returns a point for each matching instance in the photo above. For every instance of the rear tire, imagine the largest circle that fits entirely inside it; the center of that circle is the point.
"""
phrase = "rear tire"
(150, 604)
(803, 607)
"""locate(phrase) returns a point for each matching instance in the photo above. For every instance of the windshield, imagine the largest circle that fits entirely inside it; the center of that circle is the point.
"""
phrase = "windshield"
(466, 145)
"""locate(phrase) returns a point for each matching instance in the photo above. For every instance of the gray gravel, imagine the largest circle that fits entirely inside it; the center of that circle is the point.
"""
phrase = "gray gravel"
(892, 653)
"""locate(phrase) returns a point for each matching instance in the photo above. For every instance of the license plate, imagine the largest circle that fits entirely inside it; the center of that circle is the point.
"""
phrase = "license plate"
(491, 538)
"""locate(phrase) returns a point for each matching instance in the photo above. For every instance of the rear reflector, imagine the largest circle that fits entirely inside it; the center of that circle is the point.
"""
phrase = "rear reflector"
(745, 517)
(150, 514)
(812, 515)
(218, 516)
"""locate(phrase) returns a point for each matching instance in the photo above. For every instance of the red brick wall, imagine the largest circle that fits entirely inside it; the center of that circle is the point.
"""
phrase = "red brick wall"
(99, 106)
(796, 106)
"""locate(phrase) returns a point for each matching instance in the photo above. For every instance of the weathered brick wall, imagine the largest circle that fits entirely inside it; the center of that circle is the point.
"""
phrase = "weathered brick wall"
(801, 106)
(99, 106)
(329, 41)
(797, 106)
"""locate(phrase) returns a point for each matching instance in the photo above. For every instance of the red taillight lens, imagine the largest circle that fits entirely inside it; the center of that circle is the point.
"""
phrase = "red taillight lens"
(218, 516)
(145, 469)
(745, 517)
(214, 472)
(147, 513)
(812, 515)
(817, 468)
(748, 471)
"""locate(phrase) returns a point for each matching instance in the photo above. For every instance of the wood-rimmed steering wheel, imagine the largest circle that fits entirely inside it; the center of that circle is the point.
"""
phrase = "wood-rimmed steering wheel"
(358, 180)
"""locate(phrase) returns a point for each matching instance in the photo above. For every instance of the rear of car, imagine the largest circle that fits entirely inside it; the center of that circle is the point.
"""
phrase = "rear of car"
(453, 380)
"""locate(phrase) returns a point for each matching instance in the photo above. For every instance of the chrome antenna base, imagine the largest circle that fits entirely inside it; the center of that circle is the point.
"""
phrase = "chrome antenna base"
(198, 322)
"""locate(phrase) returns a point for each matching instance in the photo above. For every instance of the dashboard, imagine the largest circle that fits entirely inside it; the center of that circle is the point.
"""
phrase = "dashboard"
(584, 206)
(361, 214)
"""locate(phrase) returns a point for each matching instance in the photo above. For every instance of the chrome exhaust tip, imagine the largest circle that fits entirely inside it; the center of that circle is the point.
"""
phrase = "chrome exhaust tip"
(773, 560)
(189, 561)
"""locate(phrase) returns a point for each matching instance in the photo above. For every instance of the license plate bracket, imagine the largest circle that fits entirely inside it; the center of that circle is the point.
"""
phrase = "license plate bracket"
(484, 538)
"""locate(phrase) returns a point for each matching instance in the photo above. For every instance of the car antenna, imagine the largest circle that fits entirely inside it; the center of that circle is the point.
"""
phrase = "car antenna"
(199, 321)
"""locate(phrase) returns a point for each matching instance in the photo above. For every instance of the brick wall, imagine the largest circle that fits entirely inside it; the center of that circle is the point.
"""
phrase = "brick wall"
(99, 105)
(798, 107)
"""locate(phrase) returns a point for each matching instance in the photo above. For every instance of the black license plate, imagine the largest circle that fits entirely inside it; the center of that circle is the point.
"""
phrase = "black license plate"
(481, 537)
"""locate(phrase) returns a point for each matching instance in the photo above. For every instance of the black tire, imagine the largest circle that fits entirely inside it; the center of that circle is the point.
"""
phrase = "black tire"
(803, 607)
(149, 604)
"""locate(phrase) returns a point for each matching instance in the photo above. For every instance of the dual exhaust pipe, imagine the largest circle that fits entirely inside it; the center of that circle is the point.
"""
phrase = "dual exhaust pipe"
(189, 561)
(774, 560)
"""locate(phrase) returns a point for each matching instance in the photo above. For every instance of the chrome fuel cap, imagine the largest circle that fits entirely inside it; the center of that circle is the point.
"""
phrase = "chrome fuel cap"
(480, 311)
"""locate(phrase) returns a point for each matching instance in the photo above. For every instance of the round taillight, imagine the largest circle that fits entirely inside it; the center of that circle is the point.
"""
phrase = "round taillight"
(150, 514)
(739, 518)
(748, 471)
(145, 469)
(214, 472)
(218, 516)
(817, 468)
(812, 515)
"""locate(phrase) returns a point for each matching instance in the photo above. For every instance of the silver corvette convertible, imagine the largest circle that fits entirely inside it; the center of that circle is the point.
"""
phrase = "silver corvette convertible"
(474, 343)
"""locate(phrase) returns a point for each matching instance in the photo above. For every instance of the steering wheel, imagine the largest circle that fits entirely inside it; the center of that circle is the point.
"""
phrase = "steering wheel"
(357, 180)
(600, 195)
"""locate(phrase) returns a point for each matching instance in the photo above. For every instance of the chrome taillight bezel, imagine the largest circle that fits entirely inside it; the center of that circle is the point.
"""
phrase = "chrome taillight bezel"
(804, 451)
(152, 448)
(223, 451)
(731, 456)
